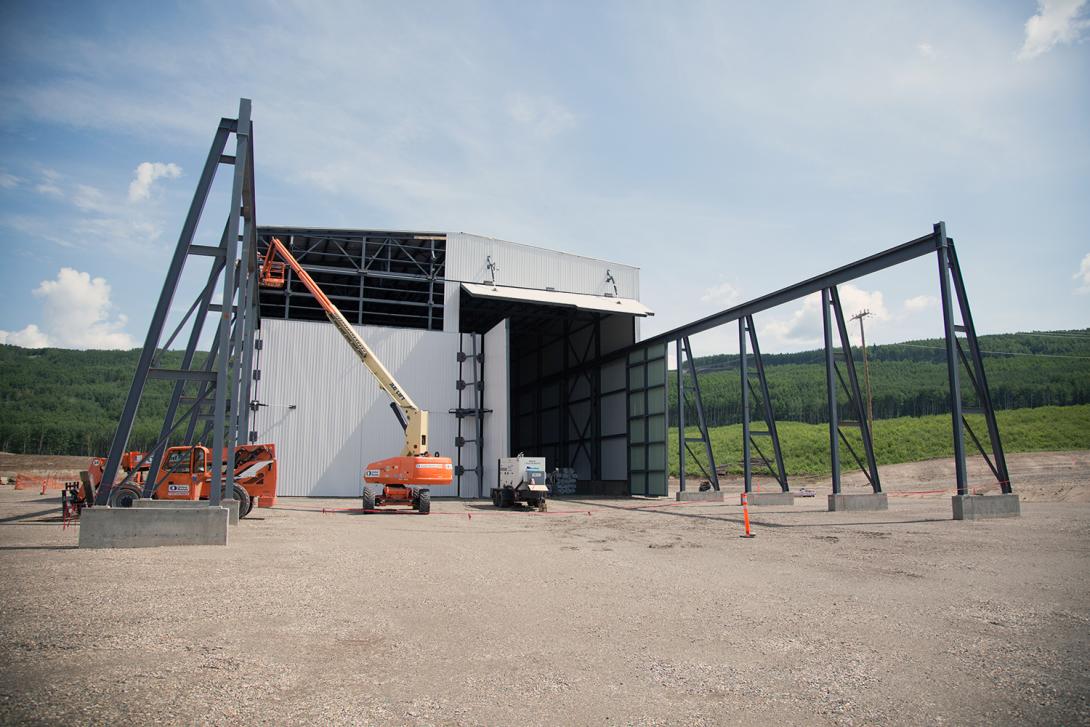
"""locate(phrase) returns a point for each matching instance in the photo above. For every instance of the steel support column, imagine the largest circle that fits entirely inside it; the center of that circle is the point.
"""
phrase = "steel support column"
(830, 388)
(680, 419)
(747, 464)
(950, 334)
(224, 433)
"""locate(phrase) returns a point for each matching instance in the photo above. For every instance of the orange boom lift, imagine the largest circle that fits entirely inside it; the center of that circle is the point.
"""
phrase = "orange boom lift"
(401, 477)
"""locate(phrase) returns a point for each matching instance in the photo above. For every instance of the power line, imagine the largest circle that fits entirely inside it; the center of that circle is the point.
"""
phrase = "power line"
(998, 353)
(1047, 335)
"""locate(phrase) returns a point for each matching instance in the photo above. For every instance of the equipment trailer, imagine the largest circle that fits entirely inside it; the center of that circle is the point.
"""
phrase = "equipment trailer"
(399, 476)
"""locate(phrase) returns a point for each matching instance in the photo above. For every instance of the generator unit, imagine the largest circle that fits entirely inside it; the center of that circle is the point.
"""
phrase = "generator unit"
(521, 479)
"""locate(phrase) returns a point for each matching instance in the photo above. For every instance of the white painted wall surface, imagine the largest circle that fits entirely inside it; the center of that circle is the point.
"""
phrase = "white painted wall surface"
(497, 377)
(534, 267)
(342, 419)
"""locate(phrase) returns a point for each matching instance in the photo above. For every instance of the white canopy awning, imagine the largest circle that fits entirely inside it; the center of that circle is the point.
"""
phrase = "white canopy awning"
(582, 301)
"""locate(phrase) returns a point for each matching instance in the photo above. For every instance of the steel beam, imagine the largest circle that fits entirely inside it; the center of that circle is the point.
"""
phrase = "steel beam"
(888, 258)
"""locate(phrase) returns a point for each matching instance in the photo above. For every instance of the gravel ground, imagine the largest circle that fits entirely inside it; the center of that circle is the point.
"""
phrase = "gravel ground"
(602, 611)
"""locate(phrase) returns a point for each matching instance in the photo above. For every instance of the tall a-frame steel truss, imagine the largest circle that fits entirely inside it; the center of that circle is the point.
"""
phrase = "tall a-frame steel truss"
(218, 386)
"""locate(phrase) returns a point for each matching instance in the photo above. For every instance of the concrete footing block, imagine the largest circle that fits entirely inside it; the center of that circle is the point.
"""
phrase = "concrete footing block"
(231, 505)
(985, 507)
(770, 498)
(698, 496)
(149, 527)
(853, 503)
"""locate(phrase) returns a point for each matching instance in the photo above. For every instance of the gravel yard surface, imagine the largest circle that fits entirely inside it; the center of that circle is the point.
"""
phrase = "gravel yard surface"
(603, 611)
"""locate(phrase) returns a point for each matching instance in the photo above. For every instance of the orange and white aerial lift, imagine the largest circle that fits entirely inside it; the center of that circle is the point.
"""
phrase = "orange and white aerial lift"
(405, 478)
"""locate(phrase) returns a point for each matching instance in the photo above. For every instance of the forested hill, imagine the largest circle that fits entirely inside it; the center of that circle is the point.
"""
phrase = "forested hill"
(57, 401)
(909, 379)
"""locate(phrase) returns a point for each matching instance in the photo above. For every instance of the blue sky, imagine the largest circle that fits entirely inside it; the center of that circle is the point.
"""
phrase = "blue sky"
(728, 149)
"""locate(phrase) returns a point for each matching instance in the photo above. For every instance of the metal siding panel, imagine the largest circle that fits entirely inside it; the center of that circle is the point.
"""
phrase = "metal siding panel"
(342, 419)
(534, 267)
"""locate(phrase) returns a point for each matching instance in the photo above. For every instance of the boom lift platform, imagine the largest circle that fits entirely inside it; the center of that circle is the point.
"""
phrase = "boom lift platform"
(404, 478)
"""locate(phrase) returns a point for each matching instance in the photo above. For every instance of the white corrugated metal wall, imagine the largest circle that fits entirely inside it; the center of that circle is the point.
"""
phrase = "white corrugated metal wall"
(533, 267)
(497, 397)
(342, 419)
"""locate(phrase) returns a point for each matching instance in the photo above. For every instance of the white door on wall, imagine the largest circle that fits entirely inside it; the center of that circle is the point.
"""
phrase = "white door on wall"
(497, 396)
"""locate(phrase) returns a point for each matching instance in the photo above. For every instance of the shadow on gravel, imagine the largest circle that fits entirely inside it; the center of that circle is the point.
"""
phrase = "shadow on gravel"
(39, 547)
(755, 520)
(27, 516)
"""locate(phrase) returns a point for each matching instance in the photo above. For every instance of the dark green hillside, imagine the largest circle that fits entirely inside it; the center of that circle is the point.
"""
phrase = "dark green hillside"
(57, 401)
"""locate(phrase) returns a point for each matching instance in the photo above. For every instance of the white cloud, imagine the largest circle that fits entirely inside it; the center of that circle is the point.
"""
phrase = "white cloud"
(926, 50)
(48, 185)
(721, 295)
(76, 313)
(89, 199)
(7, 181)
(146, 174)
(1083, 276)
(804, 327)
(543, 115)
(1056, 22)
(29, 337)
(920, 303)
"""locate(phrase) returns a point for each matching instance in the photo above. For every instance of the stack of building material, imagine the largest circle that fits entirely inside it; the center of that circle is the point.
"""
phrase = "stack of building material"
(564, 481)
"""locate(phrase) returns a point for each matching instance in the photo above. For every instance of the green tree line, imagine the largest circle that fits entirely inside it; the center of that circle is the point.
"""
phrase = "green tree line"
(907, 380)
(59, 401)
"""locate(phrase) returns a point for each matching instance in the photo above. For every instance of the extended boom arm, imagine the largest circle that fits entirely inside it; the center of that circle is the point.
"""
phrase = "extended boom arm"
(415, 421)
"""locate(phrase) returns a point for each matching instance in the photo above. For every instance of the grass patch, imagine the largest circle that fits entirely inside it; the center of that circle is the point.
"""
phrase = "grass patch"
(906, 439)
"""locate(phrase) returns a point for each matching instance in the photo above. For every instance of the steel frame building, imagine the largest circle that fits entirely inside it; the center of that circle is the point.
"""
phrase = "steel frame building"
(522, 349)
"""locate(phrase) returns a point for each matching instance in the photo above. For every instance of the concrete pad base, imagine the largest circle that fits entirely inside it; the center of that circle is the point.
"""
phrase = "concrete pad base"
(231, 505)
(770, 498)
(149, 527)
(698, 496)
(985, 507)
(853, 503)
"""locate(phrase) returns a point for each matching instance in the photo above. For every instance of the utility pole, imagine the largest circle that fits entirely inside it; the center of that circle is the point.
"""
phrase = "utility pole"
(866, 368)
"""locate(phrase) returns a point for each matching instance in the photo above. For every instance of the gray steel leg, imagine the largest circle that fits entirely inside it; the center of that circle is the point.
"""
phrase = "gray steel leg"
(830, 386)
(951, 359)
(747, 466)
(680, 420)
